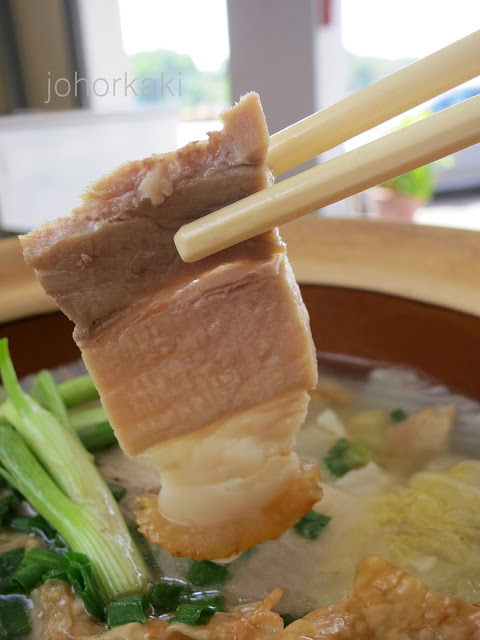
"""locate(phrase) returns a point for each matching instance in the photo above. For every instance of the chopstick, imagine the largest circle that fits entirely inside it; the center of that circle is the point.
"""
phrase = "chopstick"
(441, 134)
(377, 103)
(394, 154)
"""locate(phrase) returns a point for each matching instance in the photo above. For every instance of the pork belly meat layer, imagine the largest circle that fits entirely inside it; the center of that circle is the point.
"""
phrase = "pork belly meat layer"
(177, 349)
(183, 359)
(118, 245)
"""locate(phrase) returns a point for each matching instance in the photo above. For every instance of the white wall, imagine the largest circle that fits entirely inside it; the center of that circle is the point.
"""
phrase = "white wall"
(272, 52)
(104, 54)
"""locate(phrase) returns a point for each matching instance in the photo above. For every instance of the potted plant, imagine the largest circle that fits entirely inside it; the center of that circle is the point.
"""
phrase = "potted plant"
(399, 197)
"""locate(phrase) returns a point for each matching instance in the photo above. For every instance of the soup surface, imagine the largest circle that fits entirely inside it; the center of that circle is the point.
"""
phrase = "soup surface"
(398, 455)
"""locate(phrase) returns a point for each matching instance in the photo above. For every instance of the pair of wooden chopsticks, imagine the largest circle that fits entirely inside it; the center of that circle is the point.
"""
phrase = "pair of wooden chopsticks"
(394, 154)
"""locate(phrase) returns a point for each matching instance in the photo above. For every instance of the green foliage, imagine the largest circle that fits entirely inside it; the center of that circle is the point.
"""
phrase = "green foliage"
(197, 87)
(419, 183)
(364, 70)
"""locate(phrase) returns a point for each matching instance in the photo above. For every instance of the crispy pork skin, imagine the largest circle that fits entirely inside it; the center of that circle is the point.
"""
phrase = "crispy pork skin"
(181, 351)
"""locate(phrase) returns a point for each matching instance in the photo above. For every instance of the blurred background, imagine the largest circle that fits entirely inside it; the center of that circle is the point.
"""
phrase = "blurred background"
(88, 84)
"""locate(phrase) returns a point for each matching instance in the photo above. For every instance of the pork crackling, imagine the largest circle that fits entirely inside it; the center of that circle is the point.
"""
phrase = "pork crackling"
(203, 368)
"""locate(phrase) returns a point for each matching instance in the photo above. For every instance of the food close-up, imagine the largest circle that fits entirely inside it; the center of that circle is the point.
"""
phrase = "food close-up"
(238, 400)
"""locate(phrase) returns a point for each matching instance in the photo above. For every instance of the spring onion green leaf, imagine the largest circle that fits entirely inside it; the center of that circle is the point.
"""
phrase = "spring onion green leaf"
(345, 455)
(36, 525)
(78, 391)
(335, 460)
(125, 610)
(44, 558)
(203, 573)
(9, 563)
(398, 415)
(97, 436)
(117, 490)
(14, 618)
(193, 614)
(45, 392)
(66, 488)
(31, 572)
(55, 574)
(166, 596)
(6, 509)
(78, 568)
(73, 522)
(214, 600)
(86, 417)
(27, 578)
(92, 427)
(311, 525)
(357, 455)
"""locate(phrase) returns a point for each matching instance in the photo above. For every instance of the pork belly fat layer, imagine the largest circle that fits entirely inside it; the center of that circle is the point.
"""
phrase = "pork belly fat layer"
(237, 466)
(118, 245)
(178, 361)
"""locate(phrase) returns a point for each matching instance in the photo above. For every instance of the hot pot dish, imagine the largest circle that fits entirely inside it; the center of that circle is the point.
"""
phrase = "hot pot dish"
(204, 477)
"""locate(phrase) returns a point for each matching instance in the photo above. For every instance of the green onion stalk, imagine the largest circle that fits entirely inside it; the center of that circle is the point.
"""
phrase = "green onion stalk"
(78, 391)
(49, 465)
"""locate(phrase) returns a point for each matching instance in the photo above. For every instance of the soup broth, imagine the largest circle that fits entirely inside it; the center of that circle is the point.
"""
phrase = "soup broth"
(420, 510)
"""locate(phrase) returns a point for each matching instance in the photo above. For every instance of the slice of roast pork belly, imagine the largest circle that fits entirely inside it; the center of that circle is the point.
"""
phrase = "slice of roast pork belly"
(118, 245)
(213, 356)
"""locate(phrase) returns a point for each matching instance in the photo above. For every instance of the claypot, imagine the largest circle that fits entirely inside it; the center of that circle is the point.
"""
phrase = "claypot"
(374, 289)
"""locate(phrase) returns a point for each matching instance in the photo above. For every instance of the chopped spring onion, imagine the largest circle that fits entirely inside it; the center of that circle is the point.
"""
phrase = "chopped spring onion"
(14, 618)
(36, 525)
(203, 573)
(194, 614)
(32, 570)
(55, 574)
(46, 559)
(9, 563)
(117, 490)
(214, 600)
(398, 415)
(27, 578)
(78, 391)
(45, 392)
(311, 525)
(345, 455)
(97, 436)
(166, 596)
(335, 460)
(92, 427)
(78, 569)
(81, 418)
(125, 610)
(287, 619)
(6, 509)
(66, 488)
